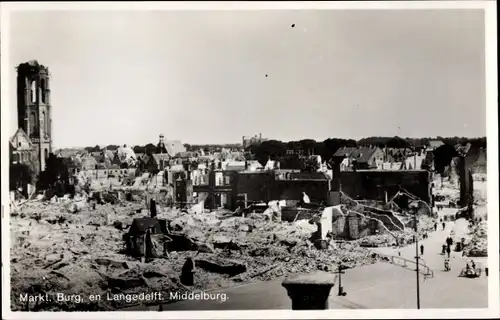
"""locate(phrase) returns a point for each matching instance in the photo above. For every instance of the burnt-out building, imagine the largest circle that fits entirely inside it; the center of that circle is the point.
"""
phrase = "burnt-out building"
(218, 188)
(384, 184)
(265, 186)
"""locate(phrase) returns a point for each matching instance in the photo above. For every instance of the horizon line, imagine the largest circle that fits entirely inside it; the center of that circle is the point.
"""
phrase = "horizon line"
(269, 139)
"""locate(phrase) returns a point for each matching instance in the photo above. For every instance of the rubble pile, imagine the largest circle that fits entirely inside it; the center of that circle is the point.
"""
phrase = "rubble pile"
(59, 247)
(78, 245)
(477, 246)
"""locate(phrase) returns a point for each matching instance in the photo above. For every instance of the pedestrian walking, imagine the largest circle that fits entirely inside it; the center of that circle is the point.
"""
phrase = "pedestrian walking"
(448, 251)
(444, 225)
(486, 271)
(473, 264)
(435, 226)
(422, 249)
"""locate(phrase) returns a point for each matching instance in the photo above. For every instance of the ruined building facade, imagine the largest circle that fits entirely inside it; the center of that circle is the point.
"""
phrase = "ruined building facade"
(34, 111)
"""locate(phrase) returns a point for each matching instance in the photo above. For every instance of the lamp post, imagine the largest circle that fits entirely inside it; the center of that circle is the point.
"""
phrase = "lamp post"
(340, 272)
(417, 257)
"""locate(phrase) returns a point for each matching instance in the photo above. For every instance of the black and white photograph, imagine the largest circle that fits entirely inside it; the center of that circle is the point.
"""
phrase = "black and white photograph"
(213, 158)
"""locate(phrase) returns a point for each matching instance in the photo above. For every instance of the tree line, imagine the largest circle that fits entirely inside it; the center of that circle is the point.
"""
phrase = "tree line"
(326, 147)
(278, 150)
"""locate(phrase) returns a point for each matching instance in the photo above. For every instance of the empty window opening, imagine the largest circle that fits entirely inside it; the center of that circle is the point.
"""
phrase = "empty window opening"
(33, 91)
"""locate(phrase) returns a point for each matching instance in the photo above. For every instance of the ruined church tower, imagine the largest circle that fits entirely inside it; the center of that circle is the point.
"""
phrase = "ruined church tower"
(34, 109)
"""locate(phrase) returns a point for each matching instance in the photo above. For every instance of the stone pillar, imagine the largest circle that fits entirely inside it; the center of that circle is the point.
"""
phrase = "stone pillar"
(309, 291)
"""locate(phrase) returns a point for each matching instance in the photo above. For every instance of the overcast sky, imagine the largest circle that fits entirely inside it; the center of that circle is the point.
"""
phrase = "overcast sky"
(200, 77)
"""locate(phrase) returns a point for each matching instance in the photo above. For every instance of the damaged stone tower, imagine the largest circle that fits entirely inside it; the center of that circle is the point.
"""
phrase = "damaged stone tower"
(34, 109)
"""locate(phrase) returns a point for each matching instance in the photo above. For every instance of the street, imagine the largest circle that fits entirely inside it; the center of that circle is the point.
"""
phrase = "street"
(378, 286)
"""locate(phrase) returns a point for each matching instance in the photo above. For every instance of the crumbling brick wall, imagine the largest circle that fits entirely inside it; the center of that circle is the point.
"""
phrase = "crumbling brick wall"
(372, 185)
(255, 185)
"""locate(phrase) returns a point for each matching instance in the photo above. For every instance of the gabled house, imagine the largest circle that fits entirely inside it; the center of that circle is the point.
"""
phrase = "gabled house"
(147, 163)
(22, 149)
(360, 158)
(88, 162)
(174, 147)
(162, 159)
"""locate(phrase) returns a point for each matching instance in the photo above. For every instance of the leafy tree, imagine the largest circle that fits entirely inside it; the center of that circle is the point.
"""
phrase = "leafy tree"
(93, 149)
(398, 143)
(271, 149)
(443, 156)
(310, 164)
(56, 174)
(139, 149)
(20, 175)
(112, 147)
(150, 148)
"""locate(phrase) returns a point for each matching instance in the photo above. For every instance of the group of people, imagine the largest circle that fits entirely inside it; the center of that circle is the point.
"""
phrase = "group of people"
(446, 248)
(442, 223)
(470, 269)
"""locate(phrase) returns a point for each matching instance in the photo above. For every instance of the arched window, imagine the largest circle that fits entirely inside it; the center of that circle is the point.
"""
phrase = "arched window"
(33, 91)
(43, 85)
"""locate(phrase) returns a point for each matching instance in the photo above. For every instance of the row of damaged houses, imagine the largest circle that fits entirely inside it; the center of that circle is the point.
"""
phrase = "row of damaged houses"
(166, 154)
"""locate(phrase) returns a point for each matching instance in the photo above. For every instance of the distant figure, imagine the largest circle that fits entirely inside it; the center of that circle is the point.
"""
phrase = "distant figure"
(447, 265)
(486, 271)
(435, 226)
(448, 251)
(443, 249)
(422, 249)
(473, 264)
(444, 225)
(187, 273)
